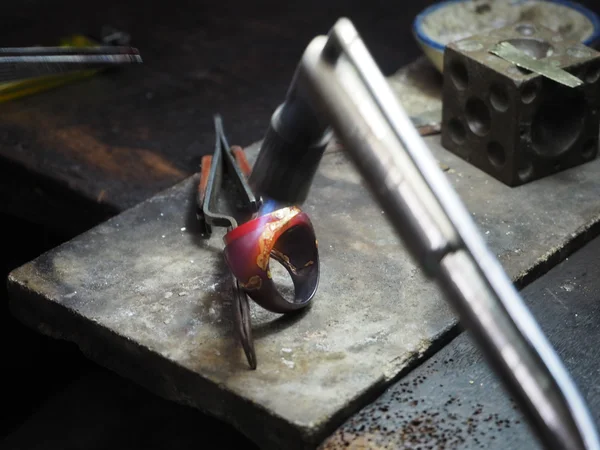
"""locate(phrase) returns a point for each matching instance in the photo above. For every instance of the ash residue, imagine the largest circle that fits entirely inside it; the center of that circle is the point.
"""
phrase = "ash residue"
(406, 418)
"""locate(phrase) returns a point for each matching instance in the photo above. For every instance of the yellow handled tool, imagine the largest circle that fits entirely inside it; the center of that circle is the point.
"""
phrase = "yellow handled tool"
(29, 70)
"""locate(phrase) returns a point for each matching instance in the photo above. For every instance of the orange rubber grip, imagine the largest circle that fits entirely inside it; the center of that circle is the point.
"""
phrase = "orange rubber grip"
(240, 158)
(204, 173)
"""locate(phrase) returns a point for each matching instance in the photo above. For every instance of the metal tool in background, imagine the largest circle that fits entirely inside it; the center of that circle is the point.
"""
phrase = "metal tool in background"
(337, 85)
(31, 62)
(521, 125)
(30, 70)
(228, 165)
(255, 235)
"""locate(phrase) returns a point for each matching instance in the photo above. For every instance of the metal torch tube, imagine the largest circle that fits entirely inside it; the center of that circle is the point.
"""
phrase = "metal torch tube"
(346, 89)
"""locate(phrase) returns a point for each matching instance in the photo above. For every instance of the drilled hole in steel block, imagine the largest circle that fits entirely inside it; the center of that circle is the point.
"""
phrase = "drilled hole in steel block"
(557, 124)
(525, 171)
(593, 74)
(483, 8)
(536, 48)
(529, 92)
(589, 148)
(459, 75)
(523, 132)
(457, 131)
(499, 97)
(478, 116)
(496, 154)
(525, 29)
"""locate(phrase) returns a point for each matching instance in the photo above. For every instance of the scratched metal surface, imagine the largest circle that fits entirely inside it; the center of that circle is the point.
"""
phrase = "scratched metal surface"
(144, 296)
(454, 401)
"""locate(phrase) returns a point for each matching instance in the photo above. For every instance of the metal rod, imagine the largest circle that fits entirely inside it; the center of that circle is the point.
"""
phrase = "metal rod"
(472, 277)
(345, 89)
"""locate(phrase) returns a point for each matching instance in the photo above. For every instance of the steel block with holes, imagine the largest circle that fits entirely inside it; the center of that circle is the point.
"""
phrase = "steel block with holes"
(515, 124)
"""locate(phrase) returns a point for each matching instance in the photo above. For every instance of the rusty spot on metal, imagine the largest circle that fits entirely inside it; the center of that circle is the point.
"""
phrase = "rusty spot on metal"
(355, 442)
(125, 162)
(285, 260)
(428, 130)
(401, 420)
(81, 145)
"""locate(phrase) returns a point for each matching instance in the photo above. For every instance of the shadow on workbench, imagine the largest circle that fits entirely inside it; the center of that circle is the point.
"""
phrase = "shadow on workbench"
(100, 410)
(33, 365)
(54, 397)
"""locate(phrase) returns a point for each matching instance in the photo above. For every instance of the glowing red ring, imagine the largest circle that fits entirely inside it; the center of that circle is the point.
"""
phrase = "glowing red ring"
(288, 236)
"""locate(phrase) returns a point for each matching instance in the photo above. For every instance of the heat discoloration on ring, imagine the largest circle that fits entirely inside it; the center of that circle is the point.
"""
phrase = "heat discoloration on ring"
(286, 236)
(285, 260)
(253, 284)
(270, 233)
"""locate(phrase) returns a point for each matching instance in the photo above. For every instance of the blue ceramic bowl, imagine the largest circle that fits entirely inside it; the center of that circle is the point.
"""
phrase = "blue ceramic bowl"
(434, 49)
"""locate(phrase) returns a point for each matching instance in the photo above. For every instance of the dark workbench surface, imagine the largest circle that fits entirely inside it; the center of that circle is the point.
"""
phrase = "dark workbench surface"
(118, 138)
(72, 157)
(452, 400)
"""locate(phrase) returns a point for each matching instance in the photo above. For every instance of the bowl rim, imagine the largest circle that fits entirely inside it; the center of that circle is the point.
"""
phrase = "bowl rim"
(427, 40)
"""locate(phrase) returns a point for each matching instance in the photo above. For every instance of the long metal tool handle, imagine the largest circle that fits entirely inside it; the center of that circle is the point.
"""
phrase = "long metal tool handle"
(247, 201)
(31, 62)
(223, 160)
(347, 90)
(210, 193)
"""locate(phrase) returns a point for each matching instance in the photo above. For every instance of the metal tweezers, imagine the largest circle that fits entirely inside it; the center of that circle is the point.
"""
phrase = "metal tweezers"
(21, 63)
(229, 166)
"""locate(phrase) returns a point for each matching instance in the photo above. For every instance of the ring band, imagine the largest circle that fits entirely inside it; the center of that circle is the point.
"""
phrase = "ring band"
(286, 235)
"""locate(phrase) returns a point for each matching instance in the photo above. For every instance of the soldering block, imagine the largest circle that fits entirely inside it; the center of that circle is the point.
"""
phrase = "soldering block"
(516, 125)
